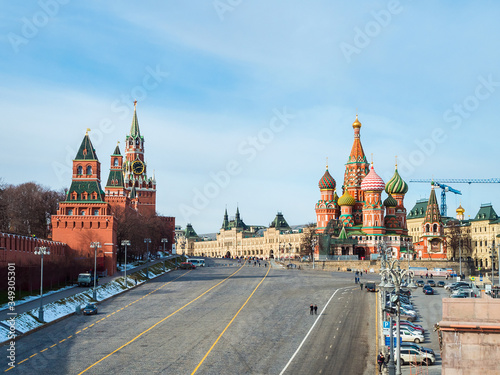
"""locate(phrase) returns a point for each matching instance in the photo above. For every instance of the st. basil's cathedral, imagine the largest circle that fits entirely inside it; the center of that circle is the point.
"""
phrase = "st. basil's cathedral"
(358, 221)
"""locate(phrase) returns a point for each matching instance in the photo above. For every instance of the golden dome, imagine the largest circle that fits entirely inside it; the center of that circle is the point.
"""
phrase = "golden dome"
(356, 124)
(460, 210)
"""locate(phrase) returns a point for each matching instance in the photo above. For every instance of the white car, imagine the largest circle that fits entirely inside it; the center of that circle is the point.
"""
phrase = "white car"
(407, 335)
(412, 355)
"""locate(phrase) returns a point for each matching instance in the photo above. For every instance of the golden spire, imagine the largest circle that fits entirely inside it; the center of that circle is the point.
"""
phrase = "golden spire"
(327, 162)
(87, 132)
(372, 159)
(135, 104)
(396, 162)
(356, 123)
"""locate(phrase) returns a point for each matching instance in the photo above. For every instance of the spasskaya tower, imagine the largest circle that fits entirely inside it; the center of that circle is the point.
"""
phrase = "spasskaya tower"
(140, 189)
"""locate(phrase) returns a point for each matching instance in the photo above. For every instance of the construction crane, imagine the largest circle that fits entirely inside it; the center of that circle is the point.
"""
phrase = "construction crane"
(463, 180)
(444, 190)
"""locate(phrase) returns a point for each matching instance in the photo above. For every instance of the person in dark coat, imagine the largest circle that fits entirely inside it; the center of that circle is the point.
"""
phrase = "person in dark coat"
(316, 309)
(380, 361)
(312, 308)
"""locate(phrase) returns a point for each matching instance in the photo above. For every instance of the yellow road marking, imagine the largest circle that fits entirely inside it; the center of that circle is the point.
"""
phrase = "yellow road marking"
(24, 360)
(85, 328)
(234, 317)
(31, 356)
(161, 321)
(69, 337)
(50, 346)
(78, 332)
(41, 351)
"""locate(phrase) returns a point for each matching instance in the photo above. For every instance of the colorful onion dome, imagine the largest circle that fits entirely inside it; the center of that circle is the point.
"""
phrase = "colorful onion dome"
(396, 185)
(390, 201)
(327, 181)
(346, 199)
(372, 182)
(356, 124)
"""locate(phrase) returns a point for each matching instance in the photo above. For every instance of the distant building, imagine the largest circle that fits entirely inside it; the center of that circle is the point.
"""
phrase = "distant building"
(236, 239)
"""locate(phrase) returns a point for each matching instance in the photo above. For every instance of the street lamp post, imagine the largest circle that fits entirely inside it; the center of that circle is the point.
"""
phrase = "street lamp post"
(314, 241)
(394, 277)
(386, 253)
(493, 256)
(289, 253)
(95, 246)
(42, 250)
(126, 243)
(147, 241)
(164, 241)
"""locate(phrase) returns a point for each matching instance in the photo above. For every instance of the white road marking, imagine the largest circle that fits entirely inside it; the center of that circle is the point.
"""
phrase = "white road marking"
(307, 335)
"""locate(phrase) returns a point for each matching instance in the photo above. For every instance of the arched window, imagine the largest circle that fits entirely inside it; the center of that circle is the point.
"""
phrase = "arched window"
(435, 228)
(115, 162)
(137, 141)
(427, 228)
(79, 170)
(89, 169)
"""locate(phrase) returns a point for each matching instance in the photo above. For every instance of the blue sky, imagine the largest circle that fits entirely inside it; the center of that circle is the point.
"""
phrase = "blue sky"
(240, 102)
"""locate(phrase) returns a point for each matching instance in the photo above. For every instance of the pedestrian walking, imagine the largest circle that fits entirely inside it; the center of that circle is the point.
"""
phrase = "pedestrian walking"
(380, 361)
(361, 285)
(312, 308)
(315, 309)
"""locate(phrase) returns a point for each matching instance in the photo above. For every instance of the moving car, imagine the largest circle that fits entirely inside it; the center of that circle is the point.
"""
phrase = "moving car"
(187, 266)
(371, 287)
(420, 283)
(441, 284)
(431, 283)
(197, 262)
(90, 309)
(428, 290)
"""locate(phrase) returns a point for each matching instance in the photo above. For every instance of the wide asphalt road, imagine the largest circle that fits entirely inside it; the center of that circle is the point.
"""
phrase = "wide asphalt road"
(215, 320)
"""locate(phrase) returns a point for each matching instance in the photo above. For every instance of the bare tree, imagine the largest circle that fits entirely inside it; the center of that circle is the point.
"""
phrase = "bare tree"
(458, 240)
(306, 246)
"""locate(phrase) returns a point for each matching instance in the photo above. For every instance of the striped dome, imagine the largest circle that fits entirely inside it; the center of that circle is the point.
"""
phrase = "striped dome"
(390, 201)
(327, 181)
(372, 182)
(346, 199)
(396, 185)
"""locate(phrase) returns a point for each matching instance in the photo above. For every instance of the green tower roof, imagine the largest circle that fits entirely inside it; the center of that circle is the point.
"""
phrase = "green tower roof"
(86, 150)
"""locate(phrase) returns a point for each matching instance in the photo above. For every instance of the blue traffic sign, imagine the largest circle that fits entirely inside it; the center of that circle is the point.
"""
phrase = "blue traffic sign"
(387, 324)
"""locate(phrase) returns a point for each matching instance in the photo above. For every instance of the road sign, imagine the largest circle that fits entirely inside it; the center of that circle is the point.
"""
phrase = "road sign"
(387, 328)
(388, 340)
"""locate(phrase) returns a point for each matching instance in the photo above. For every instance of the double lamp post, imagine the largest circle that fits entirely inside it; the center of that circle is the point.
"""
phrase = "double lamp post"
(392, 278)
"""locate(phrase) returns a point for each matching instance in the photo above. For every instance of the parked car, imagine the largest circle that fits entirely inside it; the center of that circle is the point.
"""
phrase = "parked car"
(456, 285)
(411, 325)
(187, 266)
(412, 355)
(441, 284)
(90, 309)
(460, 295)
(428, 291)
(431, 283)
(410, 318)
(407, 335)
(420, 283)
(417, 347)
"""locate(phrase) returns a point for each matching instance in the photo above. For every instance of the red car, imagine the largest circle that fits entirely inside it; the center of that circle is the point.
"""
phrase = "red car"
(187, 266)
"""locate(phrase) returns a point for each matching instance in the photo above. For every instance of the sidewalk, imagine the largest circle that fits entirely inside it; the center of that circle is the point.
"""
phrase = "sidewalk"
(35, 303)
